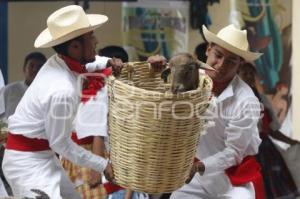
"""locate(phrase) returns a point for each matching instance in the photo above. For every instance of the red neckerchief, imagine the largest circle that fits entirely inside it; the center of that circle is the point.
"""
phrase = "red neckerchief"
(74, 65)
(94, 83)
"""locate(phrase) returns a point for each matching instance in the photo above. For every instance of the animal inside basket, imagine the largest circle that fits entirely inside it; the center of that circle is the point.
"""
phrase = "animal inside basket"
(153, 133)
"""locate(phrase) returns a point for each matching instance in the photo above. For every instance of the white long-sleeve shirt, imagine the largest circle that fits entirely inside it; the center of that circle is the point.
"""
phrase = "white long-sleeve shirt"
(47, 110)
(233, 136)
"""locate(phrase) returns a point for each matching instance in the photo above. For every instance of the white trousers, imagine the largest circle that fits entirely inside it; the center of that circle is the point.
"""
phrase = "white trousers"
(37, 170)
(194, 190)
(3, 192)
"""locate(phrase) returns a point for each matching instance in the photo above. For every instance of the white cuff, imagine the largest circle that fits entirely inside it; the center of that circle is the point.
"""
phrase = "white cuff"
(103, 164)
(99, 64)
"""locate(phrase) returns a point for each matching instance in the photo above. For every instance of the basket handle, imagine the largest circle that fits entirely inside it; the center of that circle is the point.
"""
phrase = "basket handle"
(130, 69)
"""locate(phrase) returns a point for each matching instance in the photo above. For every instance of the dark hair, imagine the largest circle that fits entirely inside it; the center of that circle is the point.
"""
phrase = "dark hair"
(63, 48)
(200, 51)
(35, 55)
(114, 51)
(251, 70)
(249, 67)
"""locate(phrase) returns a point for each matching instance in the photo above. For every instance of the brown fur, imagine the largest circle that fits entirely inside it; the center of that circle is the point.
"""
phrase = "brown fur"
(184, 71)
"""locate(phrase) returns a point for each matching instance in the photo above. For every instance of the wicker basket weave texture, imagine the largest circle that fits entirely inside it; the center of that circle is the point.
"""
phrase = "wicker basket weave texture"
(151, 149)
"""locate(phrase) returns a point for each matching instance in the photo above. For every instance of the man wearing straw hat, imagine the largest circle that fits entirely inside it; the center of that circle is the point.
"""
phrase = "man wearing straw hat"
(42, 123)
(224, 166)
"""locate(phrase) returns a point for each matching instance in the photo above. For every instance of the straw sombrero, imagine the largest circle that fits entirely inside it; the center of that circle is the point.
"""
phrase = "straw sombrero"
(233, 40)
(67, 23)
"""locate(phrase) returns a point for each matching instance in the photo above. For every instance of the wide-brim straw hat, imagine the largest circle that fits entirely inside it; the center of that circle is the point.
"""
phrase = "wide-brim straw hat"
(233, 40)
(68, 23)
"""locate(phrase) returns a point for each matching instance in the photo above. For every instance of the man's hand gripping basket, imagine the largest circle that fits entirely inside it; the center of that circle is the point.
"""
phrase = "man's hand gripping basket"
(153, 133)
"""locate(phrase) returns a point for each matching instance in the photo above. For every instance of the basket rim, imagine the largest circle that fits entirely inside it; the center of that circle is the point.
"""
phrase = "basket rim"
(165, 94)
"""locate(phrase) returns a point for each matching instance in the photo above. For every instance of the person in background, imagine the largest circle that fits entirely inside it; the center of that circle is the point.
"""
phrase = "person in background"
(200, 50)
(90, 130)
(13, 92)
(42, 124)
(278, 182)
(279, 101)
(114, 191)
(114, 51)
(225, 164)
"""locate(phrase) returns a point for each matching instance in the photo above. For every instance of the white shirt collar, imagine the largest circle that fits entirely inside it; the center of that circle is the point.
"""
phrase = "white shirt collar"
(228, 92)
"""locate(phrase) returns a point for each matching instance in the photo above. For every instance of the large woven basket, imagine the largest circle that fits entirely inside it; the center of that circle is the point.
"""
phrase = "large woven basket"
(153, 133)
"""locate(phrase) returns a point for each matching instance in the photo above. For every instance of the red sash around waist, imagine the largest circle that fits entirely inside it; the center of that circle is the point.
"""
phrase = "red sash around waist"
(21, 143)
(110, 187)
(247, 171)
(86, 140)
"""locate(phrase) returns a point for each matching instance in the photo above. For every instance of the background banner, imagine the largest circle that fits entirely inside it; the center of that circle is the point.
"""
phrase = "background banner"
(155, 27)
(269, 26)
